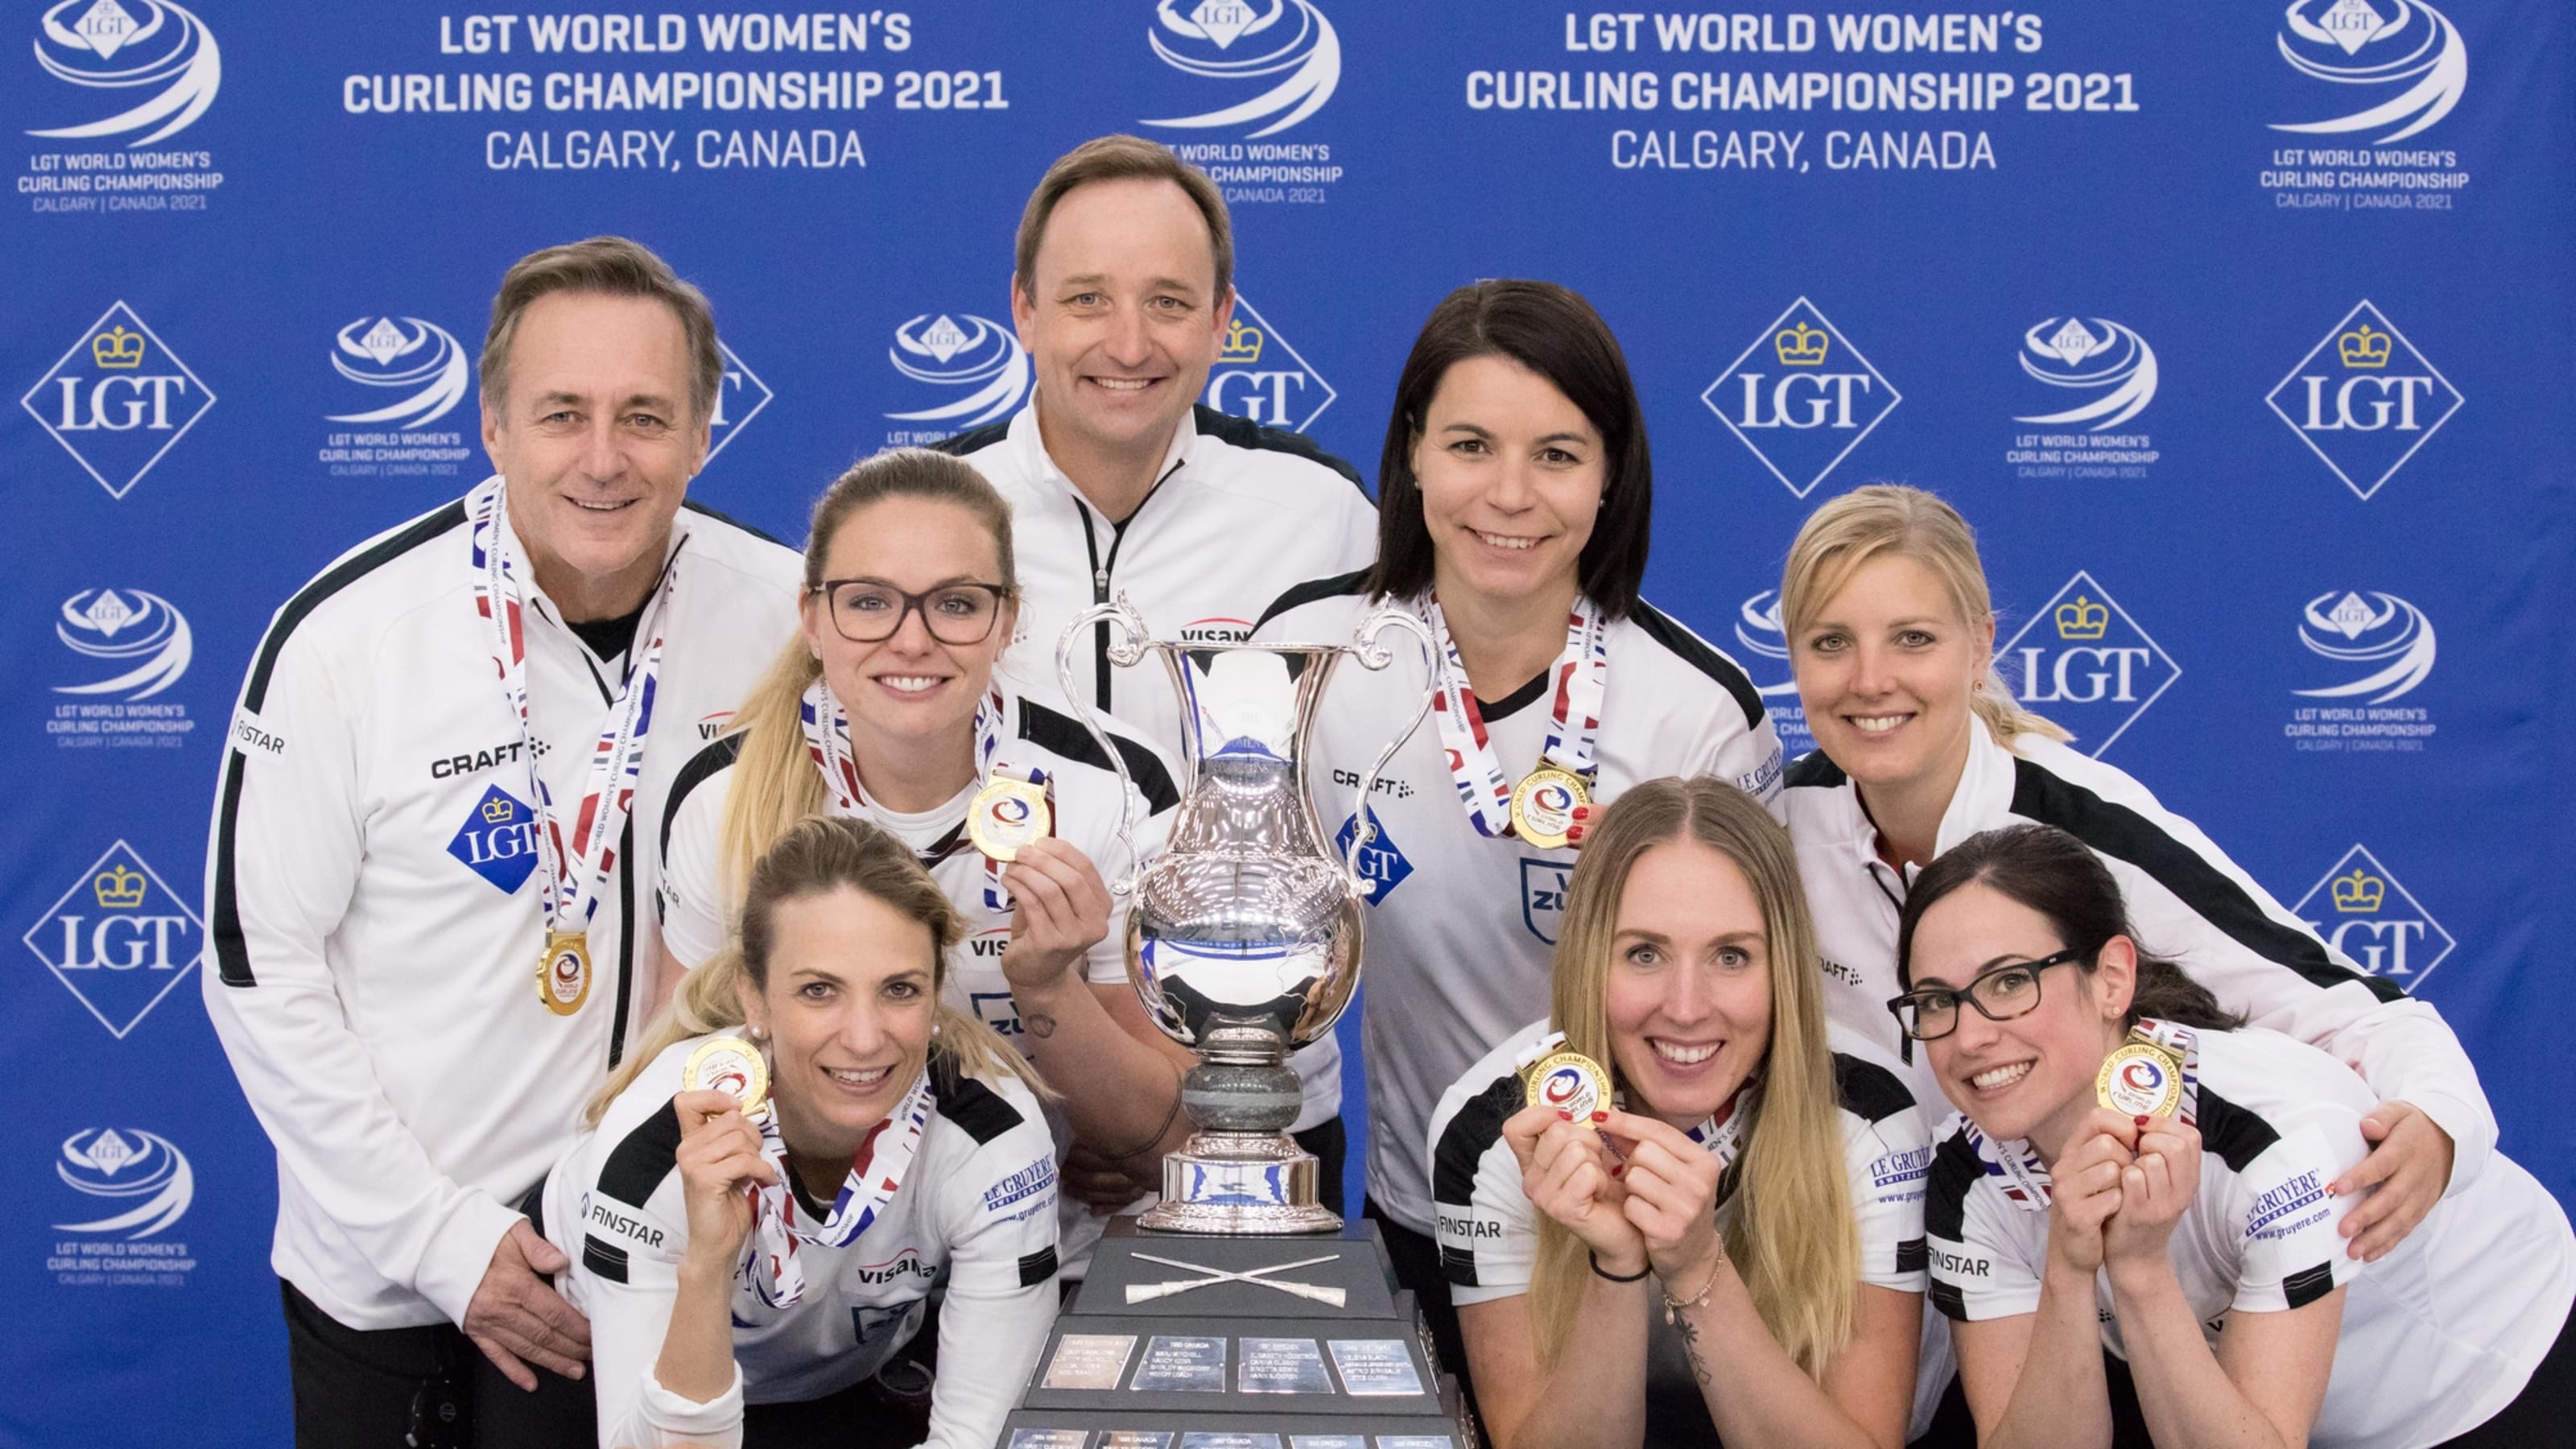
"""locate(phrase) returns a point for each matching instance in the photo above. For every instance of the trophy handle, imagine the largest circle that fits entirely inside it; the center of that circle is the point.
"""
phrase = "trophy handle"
(1373, 656)
(1126, 647)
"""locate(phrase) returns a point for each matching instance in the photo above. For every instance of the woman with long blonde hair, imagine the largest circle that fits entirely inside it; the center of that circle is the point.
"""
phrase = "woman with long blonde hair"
(1920, 744)
(777, 1251)
(1733, 1242)
(887, 707)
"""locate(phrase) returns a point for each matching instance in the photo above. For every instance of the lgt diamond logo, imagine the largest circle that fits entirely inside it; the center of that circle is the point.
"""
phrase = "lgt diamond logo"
(2083, 662)
(1801, 397)
(2364, 400)
(740, 395)
(119, 939)
(1382, 866)
(1260, 375)
(2375, 922)
(498, 841)
(118, 400)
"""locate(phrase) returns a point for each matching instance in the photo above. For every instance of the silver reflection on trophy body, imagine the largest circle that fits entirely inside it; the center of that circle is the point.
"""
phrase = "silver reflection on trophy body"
(1244, 937)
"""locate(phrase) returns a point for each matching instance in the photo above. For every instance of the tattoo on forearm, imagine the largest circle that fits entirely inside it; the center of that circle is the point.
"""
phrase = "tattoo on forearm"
(1039, 1024)
(1690, 1346)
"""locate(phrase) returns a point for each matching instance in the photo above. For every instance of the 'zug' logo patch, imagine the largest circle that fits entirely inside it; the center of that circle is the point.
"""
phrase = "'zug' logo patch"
(1543, 884)
(498, 840)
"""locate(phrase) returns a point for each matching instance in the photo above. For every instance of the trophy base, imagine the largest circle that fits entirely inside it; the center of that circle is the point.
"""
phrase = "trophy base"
(1241, 1183)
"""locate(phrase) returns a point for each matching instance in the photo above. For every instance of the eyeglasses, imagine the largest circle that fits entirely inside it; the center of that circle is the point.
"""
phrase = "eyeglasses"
(870, 611)
(1929, 1013)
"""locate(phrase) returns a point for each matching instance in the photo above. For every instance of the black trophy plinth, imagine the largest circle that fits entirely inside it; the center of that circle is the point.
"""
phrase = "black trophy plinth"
(1239, 1343)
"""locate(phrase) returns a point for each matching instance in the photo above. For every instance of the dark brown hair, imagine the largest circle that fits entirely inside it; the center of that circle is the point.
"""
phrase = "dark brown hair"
(1122, 158)
(1553, 332)
(610, 266)
(2059, 876)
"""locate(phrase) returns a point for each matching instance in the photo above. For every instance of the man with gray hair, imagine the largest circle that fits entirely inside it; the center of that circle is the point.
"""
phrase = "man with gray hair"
(422, 874)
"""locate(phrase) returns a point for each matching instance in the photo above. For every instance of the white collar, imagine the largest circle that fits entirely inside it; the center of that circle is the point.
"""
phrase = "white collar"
(1025, 437)
(1981, 800)
(553, 610)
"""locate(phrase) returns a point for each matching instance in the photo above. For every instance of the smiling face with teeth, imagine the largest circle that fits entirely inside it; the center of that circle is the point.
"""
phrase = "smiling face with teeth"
(1688, 997)
(2031, 1076)
(1885, 670)
(910, 686)
(847, 1009)
(1511, 473)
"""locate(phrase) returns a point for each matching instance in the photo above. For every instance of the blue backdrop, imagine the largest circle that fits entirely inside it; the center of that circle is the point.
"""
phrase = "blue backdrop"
(2242, 334)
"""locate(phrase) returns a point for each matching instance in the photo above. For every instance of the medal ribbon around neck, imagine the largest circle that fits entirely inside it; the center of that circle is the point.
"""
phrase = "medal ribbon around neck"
(576, 868)
(2025, 1177)
(1582, 676)
(2183, 1044)
(769, 1262)
(827, 744)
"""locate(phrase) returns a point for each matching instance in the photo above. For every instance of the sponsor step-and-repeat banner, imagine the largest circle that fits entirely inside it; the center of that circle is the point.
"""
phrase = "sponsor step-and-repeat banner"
(2240, 330)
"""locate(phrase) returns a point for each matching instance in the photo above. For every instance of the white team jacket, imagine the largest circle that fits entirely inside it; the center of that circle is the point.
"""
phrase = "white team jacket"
(2191, 905)
(376, 910)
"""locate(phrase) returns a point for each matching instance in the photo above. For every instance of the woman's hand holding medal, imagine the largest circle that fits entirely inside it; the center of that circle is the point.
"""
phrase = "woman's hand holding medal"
(719, 1156)
(1568, 1173)
(1671, 1185)
(2155, 1188)
(1062, 911)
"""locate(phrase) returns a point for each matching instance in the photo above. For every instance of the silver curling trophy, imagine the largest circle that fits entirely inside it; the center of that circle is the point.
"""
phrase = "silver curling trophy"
(1244, 936)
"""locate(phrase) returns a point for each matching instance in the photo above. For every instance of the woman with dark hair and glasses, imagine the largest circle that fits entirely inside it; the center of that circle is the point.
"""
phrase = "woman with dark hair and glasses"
(2134, 1226)
(1514, 494)
(886, 707)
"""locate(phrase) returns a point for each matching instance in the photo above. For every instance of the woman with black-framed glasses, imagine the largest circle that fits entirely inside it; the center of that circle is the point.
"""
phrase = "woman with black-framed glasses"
(887, 707)
(2134, 1226)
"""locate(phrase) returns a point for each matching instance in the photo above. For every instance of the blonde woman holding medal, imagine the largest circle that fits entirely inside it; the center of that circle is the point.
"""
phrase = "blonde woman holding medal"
(886, 707)
(1919, 745)
(1515, 495)
(2131, 1223)
(807, 1137)
(1682, 1208)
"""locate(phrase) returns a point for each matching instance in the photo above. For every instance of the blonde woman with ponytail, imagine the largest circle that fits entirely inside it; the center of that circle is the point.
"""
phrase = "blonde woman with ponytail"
(888, 706)
(1732, 1245)
(745, 1275)
(1920, 745)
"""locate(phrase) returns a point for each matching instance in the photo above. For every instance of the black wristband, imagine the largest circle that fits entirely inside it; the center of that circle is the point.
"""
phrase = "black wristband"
(1599, 1272)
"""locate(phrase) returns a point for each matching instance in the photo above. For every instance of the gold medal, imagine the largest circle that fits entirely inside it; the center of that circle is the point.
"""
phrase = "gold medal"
(730, 1065)
(1568, 1081)
(1007, 814)
(1543, 805)
(2140, 1079)
(563, 972)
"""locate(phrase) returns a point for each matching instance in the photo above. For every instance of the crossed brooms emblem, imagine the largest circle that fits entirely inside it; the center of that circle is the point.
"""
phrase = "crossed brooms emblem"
(1145, 1292)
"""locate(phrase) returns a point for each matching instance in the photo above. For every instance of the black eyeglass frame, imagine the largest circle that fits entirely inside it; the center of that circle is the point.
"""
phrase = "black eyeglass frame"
(912, 603)
(1896, 1004)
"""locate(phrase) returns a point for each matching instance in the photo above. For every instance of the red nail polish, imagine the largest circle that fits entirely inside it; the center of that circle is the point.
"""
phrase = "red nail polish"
(1620, 1168)
(2142, 1121)
(1600, 1116)
(1563, 1115)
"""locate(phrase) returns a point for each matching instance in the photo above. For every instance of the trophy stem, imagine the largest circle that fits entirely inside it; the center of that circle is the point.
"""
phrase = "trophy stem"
(1240, 1171)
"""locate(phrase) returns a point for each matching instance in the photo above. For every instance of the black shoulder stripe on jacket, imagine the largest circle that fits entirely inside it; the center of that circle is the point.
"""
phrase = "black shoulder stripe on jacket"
(1700, 655)
(711, 760)
(1813, 771)
(978, 1110)
(974, 440)
(605, 1260)
(2124, 834)
(1245, 433)
(1338, 586)
(1064, 735)
(638, 1163)
(729, 521)
(1869, 1091)
(2308, 1284)
(232, 954)
(1955, 1170)
(1037, 1267)
(2236, 1134)
(1462, 1145)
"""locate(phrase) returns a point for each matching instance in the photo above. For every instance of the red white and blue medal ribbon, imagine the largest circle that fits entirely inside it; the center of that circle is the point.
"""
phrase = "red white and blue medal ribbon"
(576, 864)
(827, 744)
(2183, 1045)
(1581, 677)
(2025, 1177)
(769, 1261)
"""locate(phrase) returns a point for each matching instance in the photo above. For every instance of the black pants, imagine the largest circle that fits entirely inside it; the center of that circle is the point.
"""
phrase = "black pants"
(1416, 1257)
(360, 1389)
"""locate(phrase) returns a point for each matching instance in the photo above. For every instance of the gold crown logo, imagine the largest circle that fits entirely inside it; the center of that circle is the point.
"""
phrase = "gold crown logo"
(2363, 347)
(119, 889)
(117, 348)
(1801, 346)
(497, 811)
(1242, 344)
(2359, 893)
(2083, 619)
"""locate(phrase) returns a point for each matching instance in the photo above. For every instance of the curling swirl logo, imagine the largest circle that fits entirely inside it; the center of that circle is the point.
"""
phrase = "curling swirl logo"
(978, 356)
(103, 1162)
(170, 48)
(1202, 44)
(402, 352)
(2107, 358)
(2326, 40)
(157, 642)
(2381, 629)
